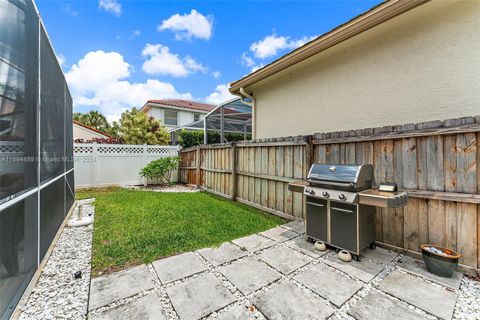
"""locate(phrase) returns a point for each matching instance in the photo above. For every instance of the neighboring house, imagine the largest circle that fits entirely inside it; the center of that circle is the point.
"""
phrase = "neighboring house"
(36, 150)
(400, 62)
(175, 113)
(84, 132)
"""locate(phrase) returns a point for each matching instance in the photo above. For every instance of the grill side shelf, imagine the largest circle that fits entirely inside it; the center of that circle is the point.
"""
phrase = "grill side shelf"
(297, 186)
(373, 197)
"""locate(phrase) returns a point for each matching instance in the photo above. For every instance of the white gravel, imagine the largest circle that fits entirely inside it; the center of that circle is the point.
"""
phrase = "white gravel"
(468, 302)
(57, 294)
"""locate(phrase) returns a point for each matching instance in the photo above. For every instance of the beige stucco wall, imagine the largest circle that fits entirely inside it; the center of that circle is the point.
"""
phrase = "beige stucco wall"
(423, 65)
(80, 132)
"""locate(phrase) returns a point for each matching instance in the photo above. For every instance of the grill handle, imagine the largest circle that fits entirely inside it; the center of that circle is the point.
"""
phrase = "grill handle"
(341, 210)
(337, 184)
(316, 204)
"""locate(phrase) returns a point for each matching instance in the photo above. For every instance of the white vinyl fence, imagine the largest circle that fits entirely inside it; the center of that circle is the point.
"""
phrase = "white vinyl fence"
(100, 165)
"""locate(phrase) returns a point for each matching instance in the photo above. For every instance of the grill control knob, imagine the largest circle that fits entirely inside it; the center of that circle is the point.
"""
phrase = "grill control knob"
(342, 197)
(325, 194)
(312, 192)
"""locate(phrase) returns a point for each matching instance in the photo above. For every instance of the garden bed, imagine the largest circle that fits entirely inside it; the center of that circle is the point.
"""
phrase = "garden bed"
(165, 188)
(134, 227)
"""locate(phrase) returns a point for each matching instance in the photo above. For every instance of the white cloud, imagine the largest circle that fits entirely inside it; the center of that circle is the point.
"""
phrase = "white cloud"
(216, 74)
(61, 59)
(163, 62)
(111, 6)
(270, 45)
(100, 80)
(256, 67)
(135, 33)
(246, 60)
(190, 25)
(221, 94)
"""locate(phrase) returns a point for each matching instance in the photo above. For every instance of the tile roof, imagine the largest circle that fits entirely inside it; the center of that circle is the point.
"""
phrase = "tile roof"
(185, 104)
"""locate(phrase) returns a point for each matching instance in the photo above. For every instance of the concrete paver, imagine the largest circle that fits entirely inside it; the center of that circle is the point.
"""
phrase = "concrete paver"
(296, 226)
(279, 234)
(254, 243)
(249, 275)
(224, 253)
(302, 245)
(330, 284)
(178, 267)
(107, 289)
(380, 255)
(377, 306)
(236, 312)
(288, 301)
(426, 296)
(145, 308)
(284, 259)
(418, 268)
(364, 270)
(198, 297)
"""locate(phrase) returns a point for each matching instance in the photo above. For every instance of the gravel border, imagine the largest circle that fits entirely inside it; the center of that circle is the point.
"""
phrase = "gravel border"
(57, 294)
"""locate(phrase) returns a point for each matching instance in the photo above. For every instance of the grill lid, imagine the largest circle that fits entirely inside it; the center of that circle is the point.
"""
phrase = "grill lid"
(341, 176)
(335, 173)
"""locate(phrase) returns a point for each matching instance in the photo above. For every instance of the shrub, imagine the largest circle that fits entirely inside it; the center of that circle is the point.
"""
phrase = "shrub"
(191, 138)
(194, 138)
(160, 169)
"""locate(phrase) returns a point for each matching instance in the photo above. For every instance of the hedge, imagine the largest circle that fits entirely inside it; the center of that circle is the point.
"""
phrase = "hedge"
(189, 139)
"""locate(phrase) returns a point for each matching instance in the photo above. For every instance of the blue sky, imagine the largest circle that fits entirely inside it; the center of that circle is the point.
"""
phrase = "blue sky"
(118, 54)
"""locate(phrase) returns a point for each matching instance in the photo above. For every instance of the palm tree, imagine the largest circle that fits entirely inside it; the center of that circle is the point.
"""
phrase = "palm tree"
(93, 119)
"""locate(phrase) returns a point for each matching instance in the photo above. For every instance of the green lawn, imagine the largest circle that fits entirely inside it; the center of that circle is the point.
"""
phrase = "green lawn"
(133, 227)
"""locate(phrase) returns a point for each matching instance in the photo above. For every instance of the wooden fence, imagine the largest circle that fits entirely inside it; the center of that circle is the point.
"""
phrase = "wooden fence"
(436, 162)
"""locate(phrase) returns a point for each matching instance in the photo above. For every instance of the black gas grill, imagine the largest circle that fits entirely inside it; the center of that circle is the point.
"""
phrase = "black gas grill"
(341, 205)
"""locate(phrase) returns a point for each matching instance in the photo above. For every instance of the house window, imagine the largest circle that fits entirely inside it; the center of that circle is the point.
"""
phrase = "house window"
(170, 118)
(196, 117)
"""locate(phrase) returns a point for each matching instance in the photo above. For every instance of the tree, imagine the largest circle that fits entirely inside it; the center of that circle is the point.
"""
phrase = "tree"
(137, 128)
(93, 119)
(114, 130)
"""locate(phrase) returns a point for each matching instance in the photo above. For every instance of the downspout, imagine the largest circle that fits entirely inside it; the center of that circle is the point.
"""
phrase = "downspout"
(244, 95)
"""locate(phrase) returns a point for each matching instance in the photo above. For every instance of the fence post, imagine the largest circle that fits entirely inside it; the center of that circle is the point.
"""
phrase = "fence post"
(234, 170)
(309, 153)
(179, 170)
(198, 173)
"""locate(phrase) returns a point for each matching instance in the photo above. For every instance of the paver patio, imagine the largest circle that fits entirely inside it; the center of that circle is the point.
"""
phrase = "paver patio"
(224, 253)
(274, 275)
(177, 267)
(254, 243)
(284, 259)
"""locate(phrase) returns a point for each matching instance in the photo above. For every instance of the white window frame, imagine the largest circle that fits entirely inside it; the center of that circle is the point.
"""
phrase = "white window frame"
(165, 117)
(196, 115)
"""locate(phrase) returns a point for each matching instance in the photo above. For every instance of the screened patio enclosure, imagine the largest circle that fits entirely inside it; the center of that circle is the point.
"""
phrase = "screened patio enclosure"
(232, 118)
(36, 148)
